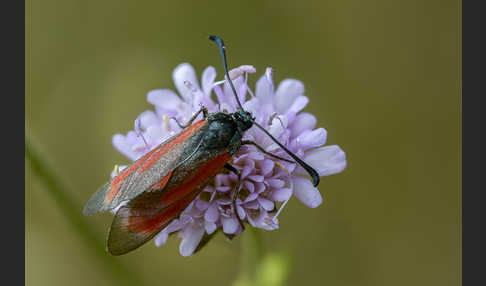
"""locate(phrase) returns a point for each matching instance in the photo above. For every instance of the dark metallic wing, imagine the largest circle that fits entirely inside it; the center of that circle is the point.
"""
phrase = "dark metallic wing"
(147, 214)
(146, 171)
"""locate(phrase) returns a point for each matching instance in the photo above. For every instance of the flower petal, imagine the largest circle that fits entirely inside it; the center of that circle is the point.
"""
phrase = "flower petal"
(182, 73)
(288, 90)
(241, 212)
(212, 213)
(266, 204)
(210, 227)
(230, 225)
(146, 119)
(306, 192)
(239, 71)
(264, 92)
(276, 183)
(207, 79)
(299, 104)
(164, 99)
(161, 237)
(253, 205)
(304, 121)
(326, 160)
(256, 178)
(201, 205)
(267, 166)
(280, 195)
(192, 235)
(121, 143)
(311, 139)
(249, 186)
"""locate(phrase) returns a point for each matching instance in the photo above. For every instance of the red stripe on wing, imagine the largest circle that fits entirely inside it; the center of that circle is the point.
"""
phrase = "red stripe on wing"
(149, 159)
(161, 184)
(176, 199)
(161, 151)
(205, 171)
(116, 182)
(146, 227)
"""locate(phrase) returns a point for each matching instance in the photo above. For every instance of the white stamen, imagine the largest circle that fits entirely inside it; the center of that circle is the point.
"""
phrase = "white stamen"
(219, 82)
(280, 209)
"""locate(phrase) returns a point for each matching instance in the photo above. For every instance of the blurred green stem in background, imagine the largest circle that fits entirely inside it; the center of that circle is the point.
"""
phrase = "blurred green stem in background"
(258, 269)
(122, 275)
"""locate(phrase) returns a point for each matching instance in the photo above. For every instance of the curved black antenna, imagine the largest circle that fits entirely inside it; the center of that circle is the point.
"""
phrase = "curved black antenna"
(222, 49)
(309, 169)
(313, 173)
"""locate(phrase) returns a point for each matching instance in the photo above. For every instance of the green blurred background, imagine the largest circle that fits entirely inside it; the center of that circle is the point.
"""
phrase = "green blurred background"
(383, 77)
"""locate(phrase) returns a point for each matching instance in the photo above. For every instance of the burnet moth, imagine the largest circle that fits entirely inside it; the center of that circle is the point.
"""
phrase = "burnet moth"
(156, 188)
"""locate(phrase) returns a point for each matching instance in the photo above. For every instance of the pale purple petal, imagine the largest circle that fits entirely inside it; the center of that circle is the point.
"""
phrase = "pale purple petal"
(241, 212)
(266, 204)
(123, 146)
(161, 237)
(255, 156)
(239, 71)
(252, 196)
(210, 227)
(165, 99)
(202, 205)
(212, 213)
(314, 138)
(249, 186)
(262, 220)
(190, 239)
(223, 189)
(155, 134)
(275, 183)
(326, 160)
(246, 171)
(207, 80)
(253, 205)
(278, 126)
(218, 91)
(259, 187)
(299, 104)
(267, 166)
(230, 225)
(221, 180)
(288, 90)
(182, 73)
(264, 92)
(306, 192)
(303, 121)
(256, 178)
(146, 119)
(280, 195)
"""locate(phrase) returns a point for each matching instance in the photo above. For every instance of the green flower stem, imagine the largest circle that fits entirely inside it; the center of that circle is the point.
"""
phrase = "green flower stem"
(122, 275)
(251, 255)
(259, 268)
(251, 251)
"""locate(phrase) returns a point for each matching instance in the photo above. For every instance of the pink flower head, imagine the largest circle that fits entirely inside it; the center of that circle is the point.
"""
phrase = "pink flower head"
(266, 182)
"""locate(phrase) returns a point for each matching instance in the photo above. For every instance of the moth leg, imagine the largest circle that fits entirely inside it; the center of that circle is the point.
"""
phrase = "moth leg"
(203, 109)
(247, 142)
(235, 194)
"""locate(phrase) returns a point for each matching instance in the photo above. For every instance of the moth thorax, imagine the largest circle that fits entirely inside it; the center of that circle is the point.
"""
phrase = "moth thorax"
(243, 119)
